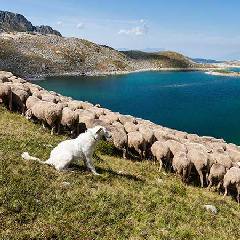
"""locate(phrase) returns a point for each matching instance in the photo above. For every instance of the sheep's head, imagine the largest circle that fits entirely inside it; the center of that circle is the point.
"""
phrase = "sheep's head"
(28, 114)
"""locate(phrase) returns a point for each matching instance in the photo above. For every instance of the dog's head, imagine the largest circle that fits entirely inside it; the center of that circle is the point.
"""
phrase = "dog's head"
(28, 114)
(101, 132)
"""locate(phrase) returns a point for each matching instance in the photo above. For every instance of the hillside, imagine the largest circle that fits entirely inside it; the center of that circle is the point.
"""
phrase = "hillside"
(164, 59)
(37, 50)
(35, 54)
(130, 200)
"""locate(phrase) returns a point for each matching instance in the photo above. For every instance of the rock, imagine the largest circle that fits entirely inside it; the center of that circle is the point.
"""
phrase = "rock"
(14, 22)
(46, 30)
(211, 208)
(66, 184)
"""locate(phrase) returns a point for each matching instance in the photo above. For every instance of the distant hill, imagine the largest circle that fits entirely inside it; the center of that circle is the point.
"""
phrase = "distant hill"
(10, 22)
(205, 61)
(148, 50)
(163, 59)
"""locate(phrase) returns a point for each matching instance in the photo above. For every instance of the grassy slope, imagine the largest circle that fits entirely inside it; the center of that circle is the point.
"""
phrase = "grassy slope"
(138, 203)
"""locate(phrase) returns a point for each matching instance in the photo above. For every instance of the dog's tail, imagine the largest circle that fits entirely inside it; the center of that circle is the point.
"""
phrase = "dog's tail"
(26, 156)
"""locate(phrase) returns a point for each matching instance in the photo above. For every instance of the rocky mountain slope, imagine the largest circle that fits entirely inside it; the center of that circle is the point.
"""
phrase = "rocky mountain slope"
(35, 54)
(10, 22)
(29, 50)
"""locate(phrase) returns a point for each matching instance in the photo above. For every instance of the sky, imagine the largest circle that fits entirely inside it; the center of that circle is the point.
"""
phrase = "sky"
(196, 28)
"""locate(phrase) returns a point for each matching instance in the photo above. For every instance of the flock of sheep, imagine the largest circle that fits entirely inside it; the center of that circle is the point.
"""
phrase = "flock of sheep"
(213, 160)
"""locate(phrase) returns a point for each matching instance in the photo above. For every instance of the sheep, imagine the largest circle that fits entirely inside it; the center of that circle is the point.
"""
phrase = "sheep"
(119, 137)
(6, 95)
(217, 172)
(70, 119)
(160, 152)
(136, 142)
(148, 136)
(232, 177)
(161, 134)
(182, 165)
(176, 147)
(130, 127)
(193, 137)
(33, 87)
(97, 111)
(234, 154)
(31, 101)
(74, 105)
(127, 118)
(180, 134)
(85, 119)
(109, 118)
(20, 93)
(3, 79)
(222, 158)
(6, 74)
(199, 156)
(46, 112)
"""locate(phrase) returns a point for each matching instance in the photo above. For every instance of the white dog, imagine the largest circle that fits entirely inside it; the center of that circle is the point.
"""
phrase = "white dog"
(75, 149)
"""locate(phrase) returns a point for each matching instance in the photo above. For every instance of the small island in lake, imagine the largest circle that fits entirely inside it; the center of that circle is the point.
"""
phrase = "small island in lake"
(223, 72)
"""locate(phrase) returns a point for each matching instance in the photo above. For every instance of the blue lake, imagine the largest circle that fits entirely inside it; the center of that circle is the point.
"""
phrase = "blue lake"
(191, 101)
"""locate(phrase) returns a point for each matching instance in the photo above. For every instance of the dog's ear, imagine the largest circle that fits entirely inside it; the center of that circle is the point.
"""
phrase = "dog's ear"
(99, 130)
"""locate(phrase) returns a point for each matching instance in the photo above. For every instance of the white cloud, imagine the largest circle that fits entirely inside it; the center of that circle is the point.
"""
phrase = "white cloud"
(138, 30)
(80, 25)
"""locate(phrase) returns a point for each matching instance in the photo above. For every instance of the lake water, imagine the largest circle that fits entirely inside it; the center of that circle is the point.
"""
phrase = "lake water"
(190, 101)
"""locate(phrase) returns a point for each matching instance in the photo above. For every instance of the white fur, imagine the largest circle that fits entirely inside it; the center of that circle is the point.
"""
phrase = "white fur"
(75, 149)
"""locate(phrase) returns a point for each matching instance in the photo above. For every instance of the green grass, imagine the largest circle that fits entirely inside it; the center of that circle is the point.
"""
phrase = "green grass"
(130, 200)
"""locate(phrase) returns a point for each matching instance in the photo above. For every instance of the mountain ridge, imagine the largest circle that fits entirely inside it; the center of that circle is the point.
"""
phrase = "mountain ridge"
(16, 22)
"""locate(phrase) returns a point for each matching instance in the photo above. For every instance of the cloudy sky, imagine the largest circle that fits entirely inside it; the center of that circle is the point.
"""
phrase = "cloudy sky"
(197, 28)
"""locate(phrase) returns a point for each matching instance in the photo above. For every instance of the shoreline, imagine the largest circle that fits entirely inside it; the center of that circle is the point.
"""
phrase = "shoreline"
(227, 74)
(39, 77)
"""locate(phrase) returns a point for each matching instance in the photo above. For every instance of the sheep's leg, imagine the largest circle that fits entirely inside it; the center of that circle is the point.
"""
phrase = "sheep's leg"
(226, 191)
(219, 185)
(43, 125)
(201, 177)
(160, 165)
(10, 102)
(53, 129)
(23, 109)
(184, 175)
(124, 153)
(238, 192)
(210, 183)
